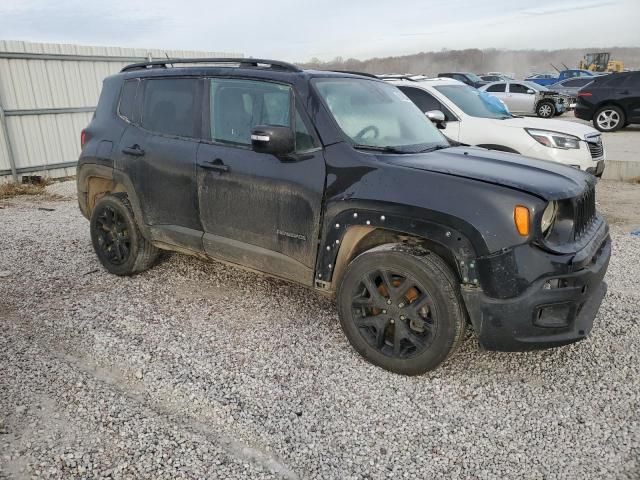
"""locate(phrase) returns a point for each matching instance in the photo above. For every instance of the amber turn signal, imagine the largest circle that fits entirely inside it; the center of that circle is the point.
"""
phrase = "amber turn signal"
(521, 217)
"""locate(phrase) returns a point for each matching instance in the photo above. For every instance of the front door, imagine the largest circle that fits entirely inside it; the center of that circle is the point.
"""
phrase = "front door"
(158, 153)
(259, 210)
(519, 100)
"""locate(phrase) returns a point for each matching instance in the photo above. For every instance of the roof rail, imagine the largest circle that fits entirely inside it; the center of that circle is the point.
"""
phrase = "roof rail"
(351, 72)
(241, 62)
(397, 77)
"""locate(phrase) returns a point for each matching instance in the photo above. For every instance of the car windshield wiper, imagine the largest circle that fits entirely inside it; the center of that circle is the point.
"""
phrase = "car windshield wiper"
(433, 148)
(376, 148)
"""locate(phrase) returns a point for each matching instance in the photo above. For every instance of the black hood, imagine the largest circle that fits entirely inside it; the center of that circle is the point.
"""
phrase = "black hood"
(545, 179)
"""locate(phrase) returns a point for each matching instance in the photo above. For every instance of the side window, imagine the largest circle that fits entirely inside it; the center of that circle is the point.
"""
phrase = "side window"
(169, 106)
(126, 106)
(615, 81)
(498, 87)
(517, 88)
(236, 106)
(304, 140)
(426, 102)
(572, 83)
(423, 100)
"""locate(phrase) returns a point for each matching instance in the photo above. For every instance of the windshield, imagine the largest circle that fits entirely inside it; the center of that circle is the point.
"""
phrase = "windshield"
(473, 77)
(473, 102)
(376, 114)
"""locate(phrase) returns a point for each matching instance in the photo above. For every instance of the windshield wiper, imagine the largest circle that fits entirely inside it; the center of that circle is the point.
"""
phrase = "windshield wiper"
(433, 148)
(376, 148)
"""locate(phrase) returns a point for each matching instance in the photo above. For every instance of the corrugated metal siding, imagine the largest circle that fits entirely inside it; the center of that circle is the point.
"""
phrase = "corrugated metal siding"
(39, 140)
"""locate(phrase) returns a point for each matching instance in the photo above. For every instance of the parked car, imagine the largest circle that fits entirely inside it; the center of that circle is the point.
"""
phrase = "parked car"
(466, 117)
(470, 79)
(570, 88)
(546, 79)
(494, 78)
(340, 183)
(611, 102)
(528, 98)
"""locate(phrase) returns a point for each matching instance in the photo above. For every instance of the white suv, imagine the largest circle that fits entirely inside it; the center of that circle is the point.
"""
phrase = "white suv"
(467, 117)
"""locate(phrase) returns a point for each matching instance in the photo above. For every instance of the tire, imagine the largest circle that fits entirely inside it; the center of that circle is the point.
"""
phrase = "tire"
(609, 118)
(116, 239)
(413, 326)
(545, 109)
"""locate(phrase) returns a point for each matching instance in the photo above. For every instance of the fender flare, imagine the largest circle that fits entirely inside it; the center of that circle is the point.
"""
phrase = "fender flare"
(117, 182)
(342, 231)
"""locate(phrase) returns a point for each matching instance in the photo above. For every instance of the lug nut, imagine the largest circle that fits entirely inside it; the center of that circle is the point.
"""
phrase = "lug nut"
(402, 317)
(355, 215)
(384, 311)
(392, 321)
(389, 302)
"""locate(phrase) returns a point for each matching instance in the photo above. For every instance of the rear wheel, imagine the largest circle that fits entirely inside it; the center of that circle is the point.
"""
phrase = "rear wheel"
(400, 308)
(116, 239)
(609, 119)
(546, 109)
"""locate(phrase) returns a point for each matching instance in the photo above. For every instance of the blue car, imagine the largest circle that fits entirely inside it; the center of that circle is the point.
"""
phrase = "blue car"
(549, 79)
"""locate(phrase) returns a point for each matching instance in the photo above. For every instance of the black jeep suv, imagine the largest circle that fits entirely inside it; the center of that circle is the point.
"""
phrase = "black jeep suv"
(339, 182)
(611, 101)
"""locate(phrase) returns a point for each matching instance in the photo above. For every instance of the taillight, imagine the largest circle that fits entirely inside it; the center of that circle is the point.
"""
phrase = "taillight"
(585, 94)
(83, 138)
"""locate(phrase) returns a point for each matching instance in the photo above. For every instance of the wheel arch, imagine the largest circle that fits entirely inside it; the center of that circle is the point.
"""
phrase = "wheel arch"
(94, 181)
(353, 232)
(359, 239)
(608, 103)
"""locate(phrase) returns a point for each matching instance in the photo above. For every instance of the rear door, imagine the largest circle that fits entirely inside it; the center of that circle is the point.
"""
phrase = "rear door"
(158, 153)
(518, 98)
(259, 210)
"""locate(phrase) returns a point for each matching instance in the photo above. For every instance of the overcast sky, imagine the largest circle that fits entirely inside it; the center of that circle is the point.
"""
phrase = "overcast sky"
(299, 30)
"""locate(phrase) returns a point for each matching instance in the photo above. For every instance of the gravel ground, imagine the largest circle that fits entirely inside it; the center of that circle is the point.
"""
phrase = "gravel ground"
(199, 370)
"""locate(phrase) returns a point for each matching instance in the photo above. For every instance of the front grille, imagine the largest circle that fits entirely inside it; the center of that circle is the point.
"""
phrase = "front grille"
(595, 147)
(584, 212)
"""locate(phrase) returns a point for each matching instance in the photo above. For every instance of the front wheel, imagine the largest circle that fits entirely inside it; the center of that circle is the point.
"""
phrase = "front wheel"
(546, 110)
(400, 308)
(116, 239)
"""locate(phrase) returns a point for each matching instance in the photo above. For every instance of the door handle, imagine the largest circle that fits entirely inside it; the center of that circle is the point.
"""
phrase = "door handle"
(216, 165)
(626, 92)
(134, 150)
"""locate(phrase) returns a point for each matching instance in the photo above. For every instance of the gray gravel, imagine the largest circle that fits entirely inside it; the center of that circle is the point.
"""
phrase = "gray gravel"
(199, 370)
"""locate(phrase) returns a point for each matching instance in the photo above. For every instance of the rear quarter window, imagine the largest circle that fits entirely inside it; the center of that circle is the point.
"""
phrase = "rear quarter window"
(127, 103)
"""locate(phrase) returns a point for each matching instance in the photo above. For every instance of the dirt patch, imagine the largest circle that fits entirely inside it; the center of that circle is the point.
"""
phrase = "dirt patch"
(619, 202)
(10, 190)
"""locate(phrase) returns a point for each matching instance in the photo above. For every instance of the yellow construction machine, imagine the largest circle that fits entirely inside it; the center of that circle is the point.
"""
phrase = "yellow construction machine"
(600, 62)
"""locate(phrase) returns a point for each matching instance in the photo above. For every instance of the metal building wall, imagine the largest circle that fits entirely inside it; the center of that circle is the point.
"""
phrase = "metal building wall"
(48, 93)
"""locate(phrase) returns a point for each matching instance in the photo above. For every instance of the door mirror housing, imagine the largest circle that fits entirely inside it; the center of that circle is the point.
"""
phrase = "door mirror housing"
(272, 139)
(530, 91)
(437, 117)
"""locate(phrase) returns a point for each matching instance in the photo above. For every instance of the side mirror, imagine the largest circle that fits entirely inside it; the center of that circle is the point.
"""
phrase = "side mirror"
(272, 139)
(530, 91)
(437, 117)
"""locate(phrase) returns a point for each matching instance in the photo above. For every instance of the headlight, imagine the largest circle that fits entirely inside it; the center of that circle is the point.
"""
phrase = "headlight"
(554, 139)
(549, 216)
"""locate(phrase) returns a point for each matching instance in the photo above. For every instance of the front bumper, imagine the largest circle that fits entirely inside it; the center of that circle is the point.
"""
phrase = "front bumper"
(543, 317)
